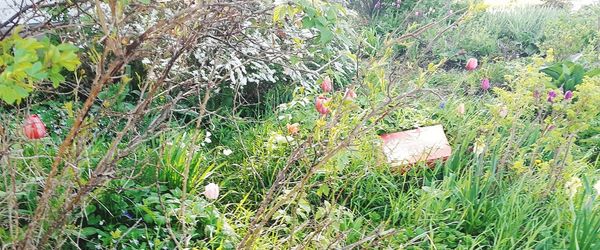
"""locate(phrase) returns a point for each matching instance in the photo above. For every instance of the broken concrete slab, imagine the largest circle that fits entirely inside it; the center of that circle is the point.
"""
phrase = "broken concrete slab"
(426, 144)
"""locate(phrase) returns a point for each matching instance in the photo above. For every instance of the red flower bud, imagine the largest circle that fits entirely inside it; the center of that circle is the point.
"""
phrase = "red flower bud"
(34, 128)
(320, 105)
(326, 85)
(471, 64)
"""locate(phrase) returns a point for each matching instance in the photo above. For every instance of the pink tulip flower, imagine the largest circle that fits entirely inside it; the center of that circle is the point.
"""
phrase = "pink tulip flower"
(326, 85)
(320, 105)
(471, 64)
(34, 128)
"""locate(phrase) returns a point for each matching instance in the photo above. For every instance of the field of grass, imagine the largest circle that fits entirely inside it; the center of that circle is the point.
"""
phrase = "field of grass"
(257, 124)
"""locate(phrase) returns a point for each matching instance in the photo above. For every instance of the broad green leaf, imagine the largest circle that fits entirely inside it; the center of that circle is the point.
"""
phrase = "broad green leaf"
(7, 94)
(310, 11)
(56, 78)
(308, 23)
(88, 231)
(553, 71)
(36, 72)
(28, 44)
(23, 68)
(326, 36)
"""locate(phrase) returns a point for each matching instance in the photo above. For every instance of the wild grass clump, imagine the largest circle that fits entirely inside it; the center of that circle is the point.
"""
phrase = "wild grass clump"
(254, 125)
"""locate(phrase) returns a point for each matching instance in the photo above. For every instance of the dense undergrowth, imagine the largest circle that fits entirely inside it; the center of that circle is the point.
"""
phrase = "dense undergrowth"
(164, 98)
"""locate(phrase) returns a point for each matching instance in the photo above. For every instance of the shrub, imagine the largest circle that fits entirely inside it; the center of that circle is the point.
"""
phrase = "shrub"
(570, 33)
(27, 62)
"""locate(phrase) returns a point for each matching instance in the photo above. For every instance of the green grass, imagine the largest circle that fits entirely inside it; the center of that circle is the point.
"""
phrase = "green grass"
(511, 196)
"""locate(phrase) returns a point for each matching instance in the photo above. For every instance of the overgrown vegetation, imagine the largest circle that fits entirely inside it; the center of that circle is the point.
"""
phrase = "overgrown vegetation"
(256, 124)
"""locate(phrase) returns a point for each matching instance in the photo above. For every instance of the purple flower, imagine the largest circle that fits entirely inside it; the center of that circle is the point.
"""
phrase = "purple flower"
(568, 95)
(378, 5)
(485, 84)
(442, 105)
(551, 95)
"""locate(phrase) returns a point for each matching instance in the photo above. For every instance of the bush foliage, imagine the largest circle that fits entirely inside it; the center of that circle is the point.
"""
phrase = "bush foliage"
(279, 106)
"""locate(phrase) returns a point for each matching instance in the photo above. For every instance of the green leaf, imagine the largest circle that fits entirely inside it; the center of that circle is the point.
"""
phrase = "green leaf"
(592, 73)
(8, 94)
(22, 55)
(90, 209)
(56, 78)
(566, 70)
(553, 71)
(310, 11)
(93, 219)
(22, 66)
(147, 218)
(11, 94)
(331, 13)
(69, 60)
(326, 36)
(308, 23)
(36, 71)
(570, 84)
(323, 190)
(160, 220)
(28, 44)
(88, 231)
